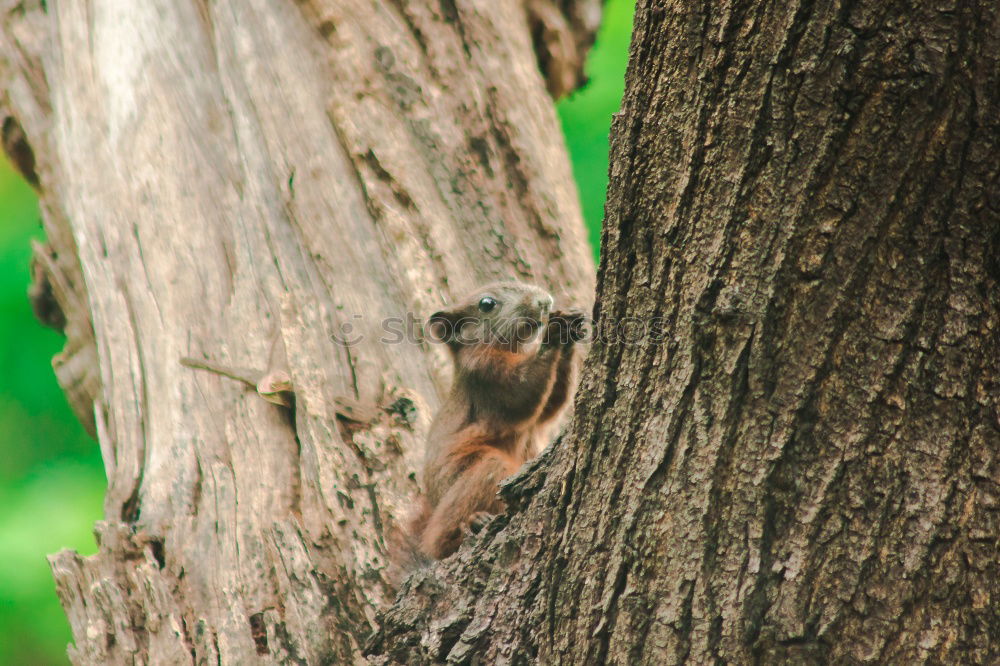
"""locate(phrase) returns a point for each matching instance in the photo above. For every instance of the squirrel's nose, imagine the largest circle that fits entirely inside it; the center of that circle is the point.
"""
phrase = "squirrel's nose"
(544, 303)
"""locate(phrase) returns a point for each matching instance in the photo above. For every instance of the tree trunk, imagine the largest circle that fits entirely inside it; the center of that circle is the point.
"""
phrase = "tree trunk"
(267, 185)
(786, 447)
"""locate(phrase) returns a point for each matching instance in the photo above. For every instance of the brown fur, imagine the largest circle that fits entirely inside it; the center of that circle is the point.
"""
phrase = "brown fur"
(507, 395)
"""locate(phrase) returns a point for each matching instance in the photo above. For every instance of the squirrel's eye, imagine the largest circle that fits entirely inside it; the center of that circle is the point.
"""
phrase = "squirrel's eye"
(487, 303)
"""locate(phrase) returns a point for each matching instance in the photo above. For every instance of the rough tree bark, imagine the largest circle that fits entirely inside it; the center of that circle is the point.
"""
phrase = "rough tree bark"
(238, 181)
(795, 455)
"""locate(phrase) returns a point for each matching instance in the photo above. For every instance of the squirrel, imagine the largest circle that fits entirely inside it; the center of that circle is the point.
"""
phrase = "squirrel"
(516, 365)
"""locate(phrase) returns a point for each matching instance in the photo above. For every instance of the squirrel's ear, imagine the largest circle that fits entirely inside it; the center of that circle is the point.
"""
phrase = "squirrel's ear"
(441, 327)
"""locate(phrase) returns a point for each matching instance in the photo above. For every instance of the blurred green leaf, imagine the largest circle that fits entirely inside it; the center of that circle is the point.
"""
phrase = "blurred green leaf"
(586, 114)
(52, 479)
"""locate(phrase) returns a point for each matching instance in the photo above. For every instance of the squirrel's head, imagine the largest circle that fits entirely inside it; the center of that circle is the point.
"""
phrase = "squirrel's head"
(502, 315)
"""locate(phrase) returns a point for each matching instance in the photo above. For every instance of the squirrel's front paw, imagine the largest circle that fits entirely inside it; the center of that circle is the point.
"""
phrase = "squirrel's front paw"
(478, 520)
(567, 327)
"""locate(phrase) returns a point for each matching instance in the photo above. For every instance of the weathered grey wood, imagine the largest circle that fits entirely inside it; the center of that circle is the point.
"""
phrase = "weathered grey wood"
(236, 181)
(805, 202)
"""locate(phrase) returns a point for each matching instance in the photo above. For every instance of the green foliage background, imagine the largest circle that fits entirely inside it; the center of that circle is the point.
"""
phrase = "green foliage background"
(51, 476)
